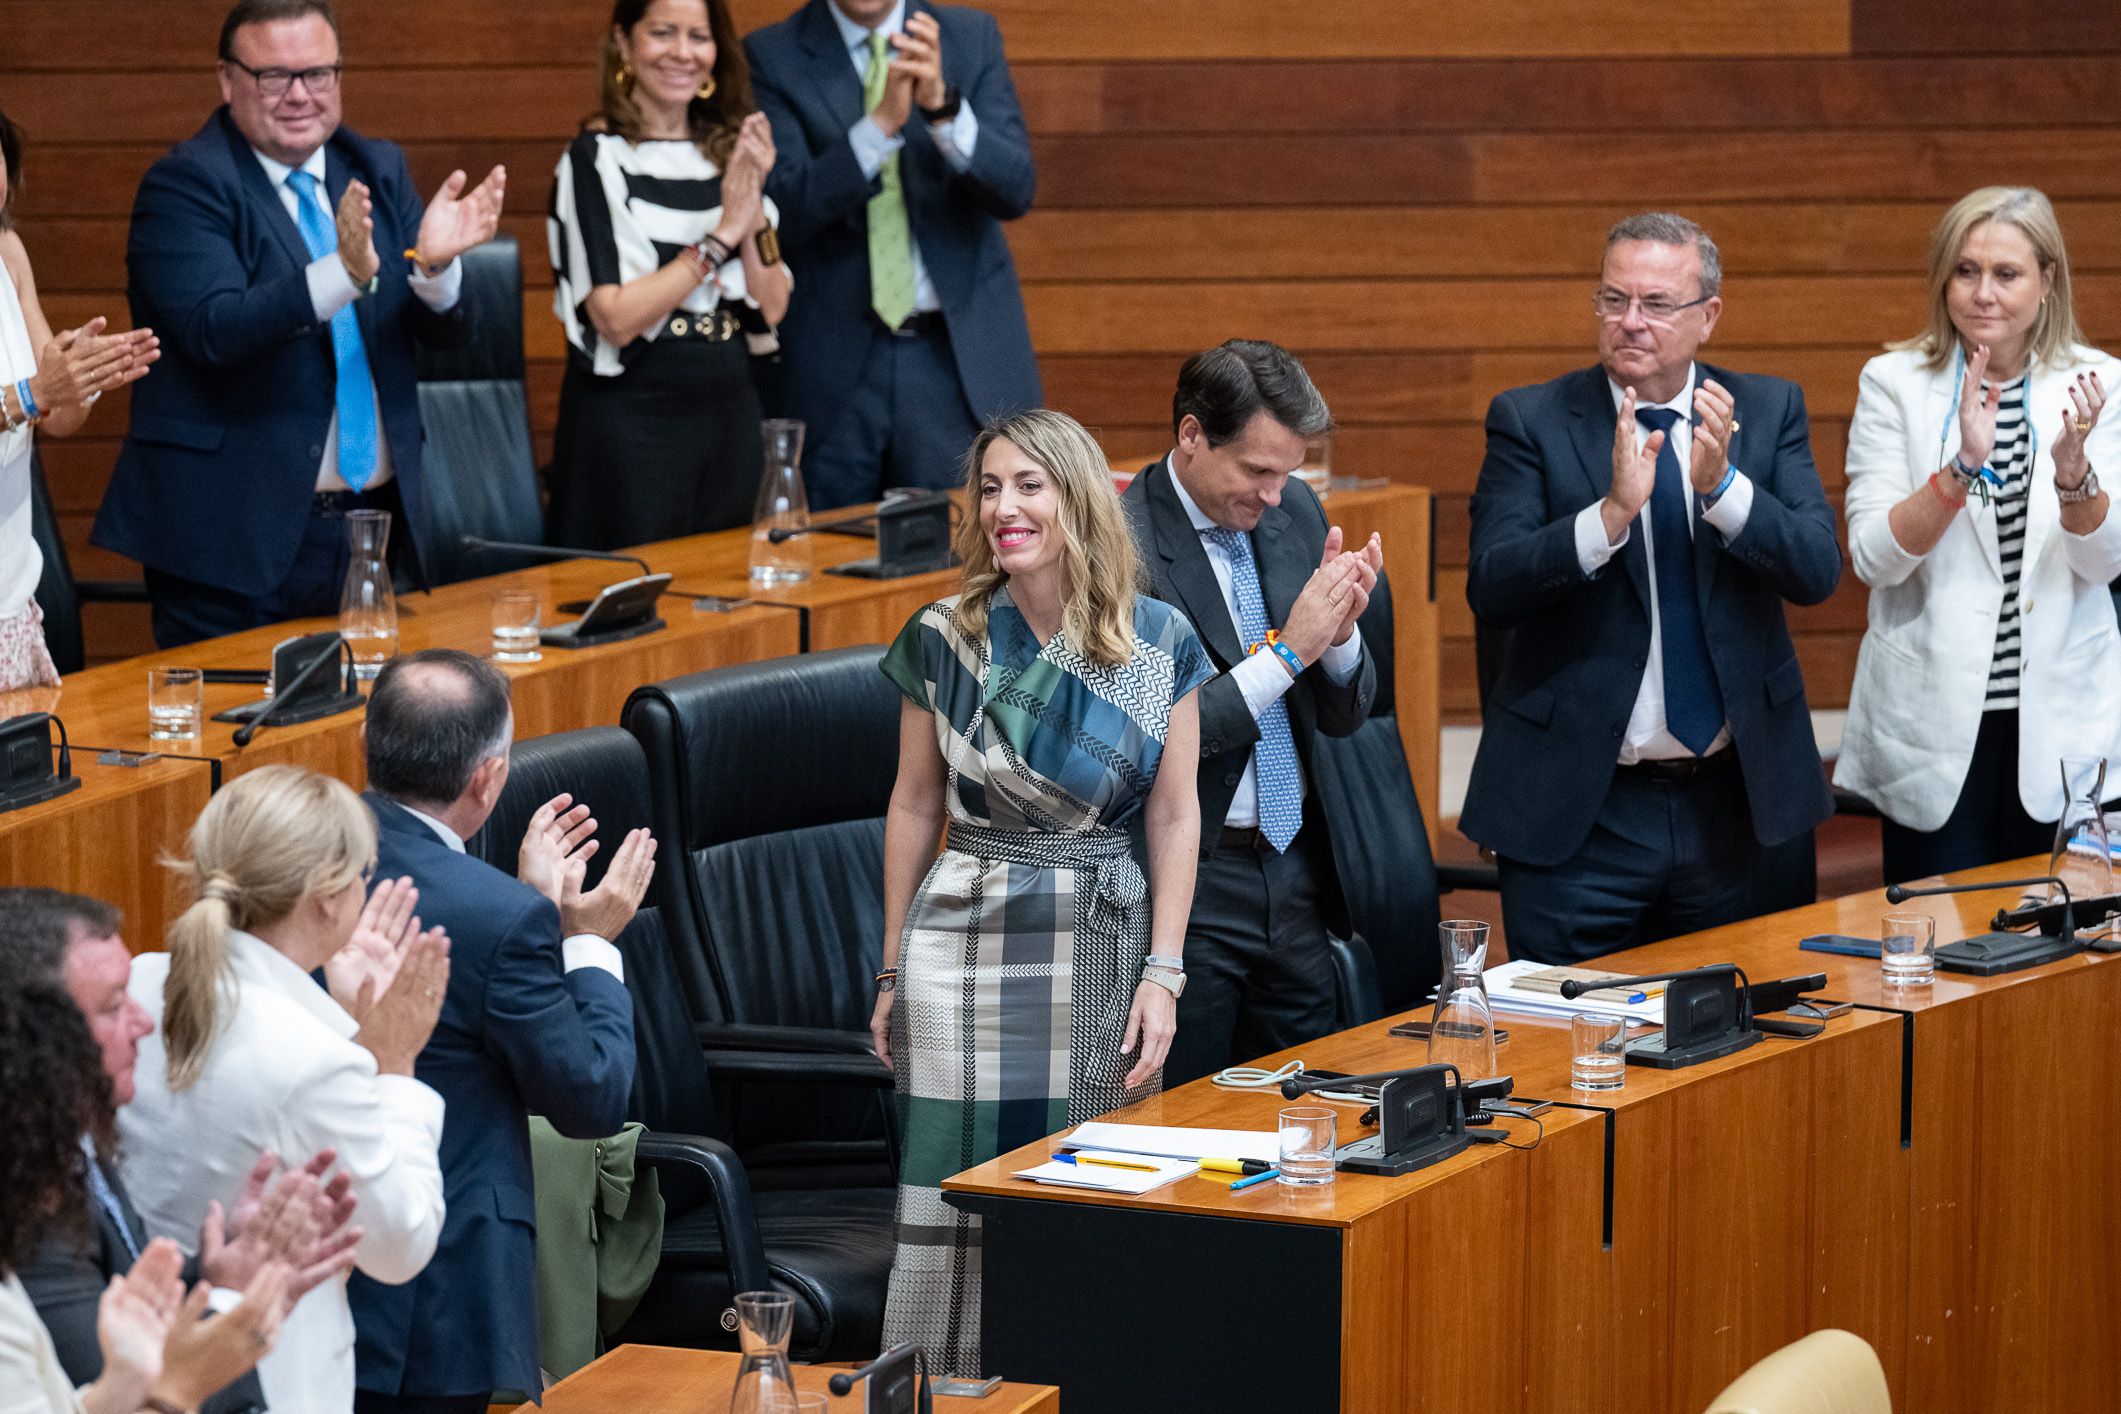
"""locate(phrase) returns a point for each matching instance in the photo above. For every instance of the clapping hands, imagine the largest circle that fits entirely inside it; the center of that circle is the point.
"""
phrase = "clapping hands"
(555, 859)
(744, 181)
(1333, 598)
(360, 973)
(300, 1221)
(457, 220)
(159, 1344)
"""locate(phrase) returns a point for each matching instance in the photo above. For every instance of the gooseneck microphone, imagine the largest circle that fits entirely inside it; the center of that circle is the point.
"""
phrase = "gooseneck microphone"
(1900, 893)
(1294, 1089)
(1574, 988)
(477, 545)
(782, 533)
(290, 693)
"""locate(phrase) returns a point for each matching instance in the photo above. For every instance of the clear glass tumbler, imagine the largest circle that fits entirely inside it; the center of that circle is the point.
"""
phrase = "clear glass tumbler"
(783, 506)
(1597, 1052)
(2082, 858)
(1317, 468)
(764, 1383)
(368, 608)
(515, 627)
(1307, 1144)
(1907, 949)
(176, 702)
(1463, 1032)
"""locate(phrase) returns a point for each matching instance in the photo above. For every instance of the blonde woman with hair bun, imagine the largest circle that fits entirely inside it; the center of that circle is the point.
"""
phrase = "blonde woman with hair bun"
(1976, 517)
(249, 1054)
(1047, 705)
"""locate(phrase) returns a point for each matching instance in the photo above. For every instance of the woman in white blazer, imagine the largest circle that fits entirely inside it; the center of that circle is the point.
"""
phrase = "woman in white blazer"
(248, 1053)
(1976, 517)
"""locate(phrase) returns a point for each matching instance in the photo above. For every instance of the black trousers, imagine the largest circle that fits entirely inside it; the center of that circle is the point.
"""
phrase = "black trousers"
(1259, 977)
(1663, 858)
(905, 422)
(1988, 822)
(368, 1401)
(185, 610)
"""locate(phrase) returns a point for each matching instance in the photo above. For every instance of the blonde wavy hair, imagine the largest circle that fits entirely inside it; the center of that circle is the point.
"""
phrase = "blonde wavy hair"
(266, 841)
(1104, 572)
(2055, 331)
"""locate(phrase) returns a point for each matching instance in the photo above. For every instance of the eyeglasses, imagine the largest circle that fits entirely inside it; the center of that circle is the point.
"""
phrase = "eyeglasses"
(274, 83)
(1612, 304)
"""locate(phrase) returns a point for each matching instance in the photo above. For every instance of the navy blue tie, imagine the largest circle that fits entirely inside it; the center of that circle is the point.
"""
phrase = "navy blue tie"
(1693, 708)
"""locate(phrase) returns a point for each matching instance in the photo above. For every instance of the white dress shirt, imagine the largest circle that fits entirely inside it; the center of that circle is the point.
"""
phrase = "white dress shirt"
(580, 950)
(1648, 739)
(331, 289)
(954, 137)
(1261, 677)
(285, 1074)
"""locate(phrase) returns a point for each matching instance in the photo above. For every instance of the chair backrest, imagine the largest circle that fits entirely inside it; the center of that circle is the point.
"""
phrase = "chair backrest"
(1355, 979)
(605, 767)
(772, 779)
(476, 465)
(1380, 840)
(1828, 1372)
(56, 595)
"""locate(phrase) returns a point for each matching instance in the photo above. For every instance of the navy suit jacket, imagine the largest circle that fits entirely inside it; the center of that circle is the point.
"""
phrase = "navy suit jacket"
(518, 1036)
(807, 86)
(220, 457)
(1552, 731)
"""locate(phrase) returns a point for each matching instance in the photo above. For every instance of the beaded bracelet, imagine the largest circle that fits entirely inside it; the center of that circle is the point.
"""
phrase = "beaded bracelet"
(1938, 487)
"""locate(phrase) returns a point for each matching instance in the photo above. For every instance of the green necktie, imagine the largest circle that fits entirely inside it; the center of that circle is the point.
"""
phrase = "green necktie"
(890, 238)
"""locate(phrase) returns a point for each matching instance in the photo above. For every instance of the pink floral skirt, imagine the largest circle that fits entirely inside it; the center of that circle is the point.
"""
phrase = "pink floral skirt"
(24, 660)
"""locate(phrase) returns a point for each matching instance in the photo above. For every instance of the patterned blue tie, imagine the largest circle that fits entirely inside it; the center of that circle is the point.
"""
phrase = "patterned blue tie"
(1281, 801)
(1693, 708)
(99, 1187)
(357, 392)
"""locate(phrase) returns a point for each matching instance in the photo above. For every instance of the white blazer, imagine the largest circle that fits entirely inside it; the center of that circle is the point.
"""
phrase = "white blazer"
(1922, 672)
(286, 1075)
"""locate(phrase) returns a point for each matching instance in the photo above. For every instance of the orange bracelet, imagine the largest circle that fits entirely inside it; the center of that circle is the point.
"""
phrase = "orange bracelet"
(1934, 486)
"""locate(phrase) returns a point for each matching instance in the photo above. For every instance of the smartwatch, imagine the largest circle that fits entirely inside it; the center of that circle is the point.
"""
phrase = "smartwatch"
(952, 101)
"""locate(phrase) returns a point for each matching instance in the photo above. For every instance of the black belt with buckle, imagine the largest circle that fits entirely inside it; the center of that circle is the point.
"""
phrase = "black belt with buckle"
(1683, 770)
(1243, 837)
(927, 321)
(714, 327)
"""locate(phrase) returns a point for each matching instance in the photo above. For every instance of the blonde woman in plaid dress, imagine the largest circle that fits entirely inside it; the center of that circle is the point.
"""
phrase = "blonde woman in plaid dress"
(1030, 972)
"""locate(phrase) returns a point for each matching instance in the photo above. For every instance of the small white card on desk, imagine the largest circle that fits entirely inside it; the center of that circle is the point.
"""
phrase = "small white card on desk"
(1119, 1173)
(1178, 1143)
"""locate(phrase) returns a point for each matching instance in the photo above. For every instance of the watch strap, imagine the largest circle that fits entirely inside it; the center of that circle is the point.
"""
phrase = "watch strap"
(952, 101)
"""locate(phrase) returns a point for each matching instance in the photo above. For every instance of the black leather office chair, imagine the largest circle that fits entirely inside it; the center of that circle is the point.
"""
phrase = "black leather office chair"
(476, 462)
(830, 1249)
(771, 781)
(59, 594)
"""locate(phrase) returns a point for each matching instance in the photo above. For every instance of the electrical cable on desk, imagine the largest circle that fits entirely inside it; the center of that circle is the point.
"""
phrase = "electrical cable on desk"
(1252, 1077)
(1535, 1138)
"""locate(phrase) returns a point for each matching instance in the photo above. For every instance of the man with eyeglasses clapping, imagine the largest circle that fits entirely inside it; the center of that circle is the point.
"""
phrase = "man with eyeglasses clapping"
(1637, 527)
(290, 267)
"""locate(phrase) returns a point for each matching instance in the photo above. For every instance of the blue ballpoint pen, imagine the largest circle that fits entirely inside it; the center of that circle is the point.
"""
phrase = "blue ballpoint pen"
(1255, 1178)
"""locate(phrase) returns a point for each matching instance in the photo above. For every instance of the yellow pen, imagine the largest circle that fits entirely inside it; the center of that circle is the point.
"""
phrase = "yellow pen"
(1103, 1163)
(1237, 1166)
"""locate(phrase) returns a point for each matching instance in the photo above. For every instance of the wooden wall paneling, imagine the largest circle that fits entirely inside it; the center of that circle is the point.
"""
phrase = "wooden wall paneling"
(1979, 26)
(1568, 1276)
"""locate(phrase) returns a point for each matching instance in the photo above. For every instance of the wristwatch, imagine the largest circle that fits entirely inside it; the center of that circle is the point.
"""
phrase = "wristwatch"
(2085, 490)
(1170, 981)
(952, 101)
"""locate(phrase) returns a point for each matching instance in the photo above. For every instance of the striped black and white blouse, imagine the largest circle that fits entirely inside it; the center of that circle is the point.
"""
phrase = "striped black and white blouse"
(620, 210)
(2010, 462)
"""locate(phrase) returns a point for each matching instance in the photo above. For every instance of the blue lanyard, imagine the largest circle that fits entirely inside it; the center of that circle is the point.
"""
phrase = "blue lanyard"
(2032, 428)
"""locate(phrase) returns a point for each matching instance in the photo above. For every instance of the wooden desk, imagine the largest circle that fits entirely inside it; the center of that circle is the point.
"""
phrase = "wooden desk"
(656, 1379)
(106, 838)
(1489, 1281)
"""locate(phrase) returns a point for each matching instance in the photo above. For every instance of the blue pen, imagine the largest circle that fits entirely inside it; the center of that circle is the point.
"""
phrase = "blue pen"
(1243, 1183)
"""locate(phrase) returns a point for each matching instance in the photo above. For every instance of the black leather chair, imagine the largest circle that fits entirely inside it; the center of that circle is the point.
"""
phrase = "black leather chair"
(830, 1249)
(771, 781)
(480, 477)
(59, 594)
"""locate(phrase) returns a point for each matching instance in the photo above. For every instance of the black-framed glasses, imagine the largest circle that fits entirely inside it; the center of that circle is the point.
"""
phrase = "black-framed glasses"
(274, 83)
(1612, 304)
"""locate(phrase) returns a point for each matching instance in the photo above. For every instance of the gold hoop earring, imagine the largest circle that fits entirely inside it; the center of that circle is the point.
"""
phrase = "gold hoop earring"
(624, 78)
(706, 89)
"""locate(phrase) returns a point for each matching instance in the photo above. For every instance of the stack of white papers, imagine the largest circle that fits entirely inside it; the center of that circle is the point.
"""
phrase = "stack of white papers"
(1504, 997)
(1192, 1144)
(1142, 1172)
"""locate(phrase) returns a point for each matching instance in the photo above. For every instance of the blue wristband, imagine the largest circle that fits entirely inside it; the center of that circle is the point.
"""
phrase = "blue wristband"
(1730, 474)
(1288, 657)
(30, 409)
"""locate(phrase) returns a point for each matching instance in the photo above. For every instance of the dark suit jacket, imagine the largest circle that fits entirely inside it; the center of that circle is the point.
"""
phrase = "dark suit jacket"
(220, 457)
(518, 1036)
(808, 87)
(1287, 545)
(65, 1275)
(1556, 717)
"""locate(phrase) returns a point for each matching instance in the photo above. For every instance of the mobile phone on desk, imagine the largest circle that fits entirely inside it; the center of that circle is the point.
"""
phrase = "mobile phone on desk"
(1840, 943)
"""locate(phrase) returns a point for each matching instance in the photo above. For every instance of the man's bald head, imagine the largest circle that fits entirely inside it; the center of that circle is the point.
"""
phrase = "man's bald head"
(433, 717)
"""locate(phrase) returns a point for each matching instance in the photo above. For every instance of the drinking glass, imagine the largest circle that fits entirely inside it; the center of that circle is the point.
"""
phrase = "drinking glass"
(1463, 1033)
(1317, 468)
(764, 1383)
(1307, 1133)
(368, 609)
(1907, 949)
(2081, 858)
(802, 1404)
(176, 699)
(782, 505)
(1597, 1052)
(515, 627)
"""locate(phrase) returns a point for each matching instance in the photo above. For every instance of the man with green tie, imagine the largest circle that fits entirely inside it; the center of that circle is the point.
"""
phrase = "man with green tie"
(906, 329)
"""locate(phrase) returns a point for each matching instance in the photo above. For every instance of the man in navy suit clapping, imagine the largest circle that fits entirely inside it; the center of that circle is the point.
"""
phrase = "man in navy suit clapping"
(536, 1021)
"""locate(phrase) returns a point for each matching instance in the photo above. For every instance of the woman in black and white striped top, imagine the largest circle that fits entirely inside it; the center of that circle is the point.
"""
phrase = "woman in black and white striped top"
(1976, 517)
(668, 280)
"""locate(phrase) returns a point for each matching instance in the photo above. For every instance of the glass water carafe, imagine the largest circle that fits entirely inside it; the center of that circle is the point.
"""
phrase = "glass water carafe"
(782, 506)
(764, 1383)
(368, 610)
(2081, 858)
(1463, 1032)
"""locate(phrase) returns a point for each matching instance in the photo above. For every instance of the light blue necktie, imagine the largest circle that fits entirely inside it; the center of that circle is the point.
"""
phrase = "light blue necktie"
(357, 391)
(99, 1187)
(1693, 707)
(1281, 801)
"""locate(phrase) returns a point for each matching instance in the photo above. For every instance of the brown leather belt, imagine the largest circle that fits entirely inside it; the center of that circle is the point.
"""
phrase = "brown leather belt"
(1683, 770)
